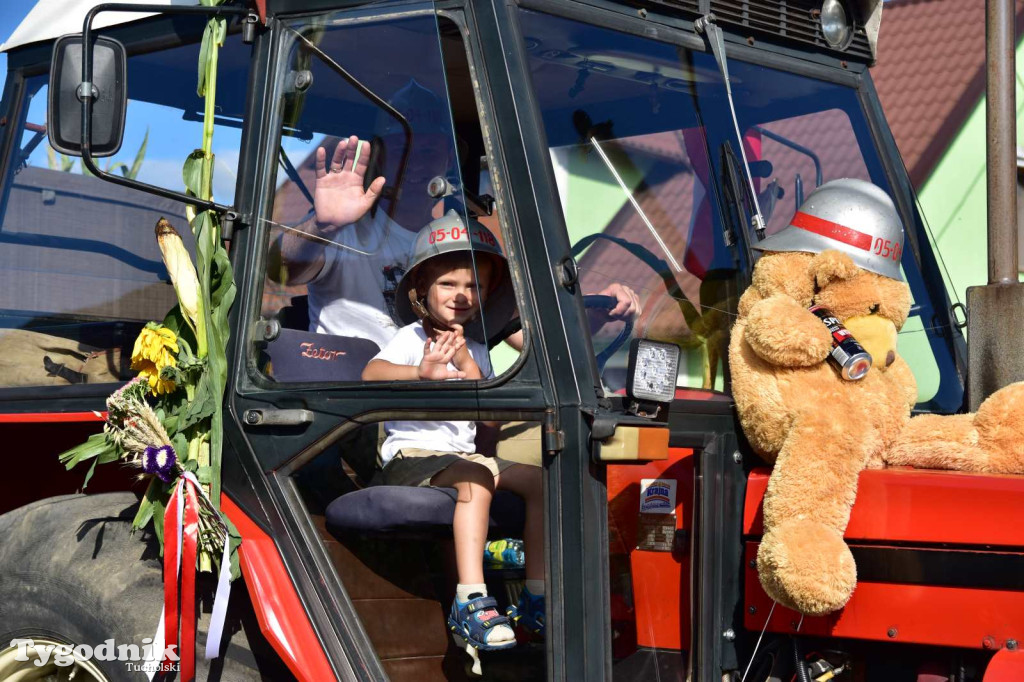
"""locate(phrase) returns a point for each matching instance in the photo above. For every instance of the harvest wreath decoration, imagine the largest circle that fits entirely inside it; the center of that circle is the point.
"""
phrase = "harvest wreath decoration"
(167, 422)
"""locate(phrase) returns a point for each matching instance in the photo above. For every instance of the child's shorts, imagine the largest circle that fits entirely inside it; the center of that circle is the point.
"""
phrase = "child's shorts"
(415, 467)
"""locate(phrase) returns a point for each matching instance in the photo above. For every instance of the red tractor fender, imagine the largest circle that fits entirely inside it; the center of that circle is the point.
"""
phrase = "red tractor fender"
(280, 612)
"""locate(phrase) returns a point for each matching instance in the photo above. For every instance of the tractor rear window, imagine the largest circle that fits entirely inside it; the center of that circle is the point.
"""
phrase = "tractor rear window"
(80, 270)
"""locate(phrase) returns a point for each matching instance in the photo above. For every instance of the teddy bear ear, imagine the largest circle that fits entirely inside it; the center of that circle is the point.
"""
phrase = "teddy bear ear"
(829, 266)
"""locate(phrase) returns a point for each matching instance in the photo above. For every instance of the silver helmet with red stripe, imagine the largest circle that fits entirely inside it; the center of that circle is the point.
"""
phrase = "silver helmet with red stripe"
(848, 215)
(444, 236)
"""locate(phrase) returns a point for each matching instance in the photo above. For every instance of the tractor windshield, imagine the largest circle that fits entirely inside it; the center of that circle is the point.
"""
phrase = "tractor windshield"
(654, 196)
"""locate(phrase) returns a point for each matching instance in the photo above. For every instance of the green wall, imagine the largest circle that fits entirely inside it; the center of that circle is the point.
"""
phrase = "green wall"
(953, 199)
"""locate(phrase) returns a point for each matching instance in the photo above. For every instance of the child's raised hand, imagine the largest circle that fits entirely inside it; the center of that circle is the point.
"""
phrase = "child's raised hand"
(462, 358)
(436, 356)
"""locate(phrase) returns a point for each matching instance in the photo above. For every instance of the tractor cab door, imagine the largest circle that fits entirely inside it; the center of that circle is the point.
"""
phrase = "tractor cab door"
(396, 92)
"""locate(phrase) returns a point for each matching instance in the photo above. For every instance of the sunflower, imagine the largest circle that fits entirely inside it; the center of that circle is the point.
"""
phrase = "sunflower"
(155, 349)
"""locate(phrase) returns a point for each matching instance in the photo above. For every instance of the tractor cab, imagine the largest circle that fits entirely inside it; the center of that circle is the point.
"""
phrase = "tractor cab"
(606, 147)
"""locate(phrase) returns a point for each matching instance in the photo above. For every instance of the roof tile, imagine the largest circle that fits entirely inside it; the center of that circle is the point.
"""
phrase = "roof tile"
(930, 74)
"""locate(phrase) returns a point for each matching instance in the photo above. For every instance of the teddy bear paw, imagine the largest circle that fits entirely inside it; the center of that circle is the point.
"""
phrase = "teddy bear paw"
(806, 566)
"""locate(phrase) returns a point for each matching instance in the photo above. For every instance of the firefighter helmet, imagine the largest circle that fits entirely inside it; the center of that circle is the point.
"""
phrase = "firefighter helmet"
(449, 234)
(848, 215)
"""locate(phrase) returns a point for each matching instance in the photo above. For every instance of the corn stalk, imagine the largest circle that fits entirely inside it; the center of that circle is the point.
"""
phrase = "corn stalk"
(216, 284)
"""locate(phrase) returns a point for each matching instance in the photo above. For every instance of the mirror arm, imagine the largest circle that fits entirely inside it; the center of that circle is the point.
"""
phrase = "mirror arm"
(87, 93)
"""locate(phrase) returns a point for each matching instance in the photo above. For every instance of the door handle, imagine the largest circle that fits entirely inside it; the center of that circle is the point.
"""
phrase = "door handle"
(276, 417)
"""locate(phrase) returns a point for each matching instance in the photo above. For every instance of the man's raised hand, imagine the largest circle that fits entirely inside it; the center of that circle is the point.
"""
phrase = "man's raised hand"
(338, 195)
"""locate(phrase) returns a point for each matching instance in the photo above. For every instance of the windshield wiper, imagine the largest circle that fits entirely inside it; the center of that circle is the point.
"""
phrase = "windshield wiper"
(636, 205)
(706, 25)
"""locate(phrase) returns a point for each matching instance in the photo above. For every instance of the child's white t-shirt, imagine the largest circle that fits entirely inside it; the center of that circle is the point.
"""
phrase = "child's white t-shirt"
(406, 348)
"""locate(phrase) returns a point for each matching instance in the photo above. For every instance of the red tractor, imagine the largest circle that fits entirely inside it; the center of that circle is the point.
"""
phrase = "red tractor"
(603, 143)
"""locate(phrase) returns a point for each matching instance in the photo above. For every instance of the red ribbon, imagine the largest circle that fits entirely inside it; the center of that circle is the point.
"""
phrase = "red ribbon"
(188, 585)
(171, 573)
(185, 495)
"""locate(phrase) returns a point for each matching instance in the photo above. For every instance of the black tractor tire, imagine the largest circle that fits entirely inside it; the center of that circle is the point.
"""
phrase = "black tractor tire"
(72, 571)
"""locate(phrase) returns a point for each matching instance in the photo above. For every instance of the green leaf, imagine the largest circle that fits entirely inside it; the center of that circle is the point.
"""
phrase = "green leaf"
(236, 540)
(221, 29)
(175, 321)
(123, 167)
(139, 156)
(145, 514)
(201, 405)
(222, 296)
(67, 163)
(192, 173)
(689, 311)
(180, 444)
(204, 474)
(93, 447)
(88, 474)
(204, 58)
(102, 458)
(170, 424)
(159, 504)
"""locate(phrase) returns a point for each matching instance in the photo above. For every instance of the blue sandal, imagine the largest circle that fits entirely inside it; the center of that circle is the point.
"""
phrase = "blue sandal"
(473, 619)
(529, 614)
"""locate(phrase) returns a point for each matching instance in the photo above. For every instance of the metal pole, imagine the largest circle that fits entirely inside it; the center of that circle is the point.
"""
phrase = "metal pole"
(1001, 132)
(995, 343)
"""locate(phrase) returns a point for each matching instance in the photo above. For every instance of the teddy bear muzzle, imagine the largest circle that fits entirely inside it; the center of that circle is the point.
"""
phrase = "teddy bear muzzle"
(878, 336)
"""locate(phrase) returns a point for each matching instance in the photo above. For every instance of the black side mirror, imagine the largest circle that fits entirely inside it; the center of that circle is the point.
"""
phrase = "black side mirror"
(108, 91)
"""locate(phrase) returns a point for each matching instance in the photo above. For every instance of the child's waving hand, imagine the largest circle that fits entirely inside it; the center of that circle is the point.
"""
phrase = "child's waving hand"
(436, 356)
(462, 358)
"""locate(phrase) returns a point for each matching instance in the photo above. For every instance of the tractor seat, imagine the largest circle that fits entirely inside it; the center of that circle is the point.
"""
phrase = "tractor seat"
(406, 510)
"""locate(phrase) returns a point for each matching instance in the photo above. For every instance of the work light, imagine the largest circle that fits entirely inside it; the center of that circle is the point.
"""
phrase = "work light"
(835, 24)
(651, 375)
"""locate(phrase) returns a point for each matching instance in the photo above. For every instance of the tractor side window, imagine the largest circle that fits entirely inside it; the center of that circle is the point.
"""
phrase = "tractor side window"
(80, 270)
(370, 210)
(637, 190)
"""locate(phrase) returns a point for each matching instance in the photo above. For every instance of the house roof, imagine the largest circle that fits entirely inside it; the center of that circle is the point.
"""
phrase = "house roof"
(930, 74)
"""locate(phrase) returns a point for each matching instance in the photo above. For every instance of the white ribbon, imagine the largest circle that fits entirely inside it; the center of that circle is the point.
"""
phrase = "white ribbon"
(220, 600)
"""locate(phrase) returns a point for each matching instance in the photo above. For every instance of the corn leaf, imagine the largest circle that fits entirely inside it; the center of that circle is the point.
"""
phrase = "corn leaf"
(133, 172)
(192, 172)
(201, 405)
(204, 58)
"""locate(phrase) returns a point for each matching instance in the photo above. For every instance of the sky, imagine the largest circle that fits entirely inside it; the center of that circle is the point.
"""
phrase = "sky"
(11, 14)
(168, 137)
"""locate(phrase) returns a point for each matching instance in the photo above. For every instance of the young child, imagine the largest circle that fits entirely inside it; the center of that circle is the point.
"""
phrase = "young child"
(441, 298)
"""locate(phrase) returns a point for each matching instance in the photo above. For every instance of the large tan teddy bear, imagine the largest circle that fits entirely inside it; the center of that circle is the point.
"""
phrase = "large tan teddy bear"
(821, 430)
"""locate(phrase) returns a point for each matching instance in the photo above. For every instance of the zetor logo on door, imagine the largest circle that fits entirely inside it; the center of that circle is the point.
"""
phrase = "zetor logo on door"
(887, 248)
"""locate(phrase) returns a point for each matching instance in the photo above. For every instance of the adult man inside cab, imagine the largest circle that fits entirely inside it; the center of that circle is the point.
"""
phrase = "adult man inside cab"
(351, 257)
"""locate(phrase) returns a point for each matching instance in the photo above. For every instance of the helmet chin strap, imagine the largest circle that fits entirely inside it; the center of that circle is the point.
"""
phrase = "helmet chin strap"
(419, 306)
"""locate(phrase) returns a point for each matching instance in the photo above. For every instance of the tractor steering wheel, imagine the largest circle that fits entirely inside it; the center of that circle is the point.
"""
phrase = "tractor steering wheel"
(608, 303)
(589, 301)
